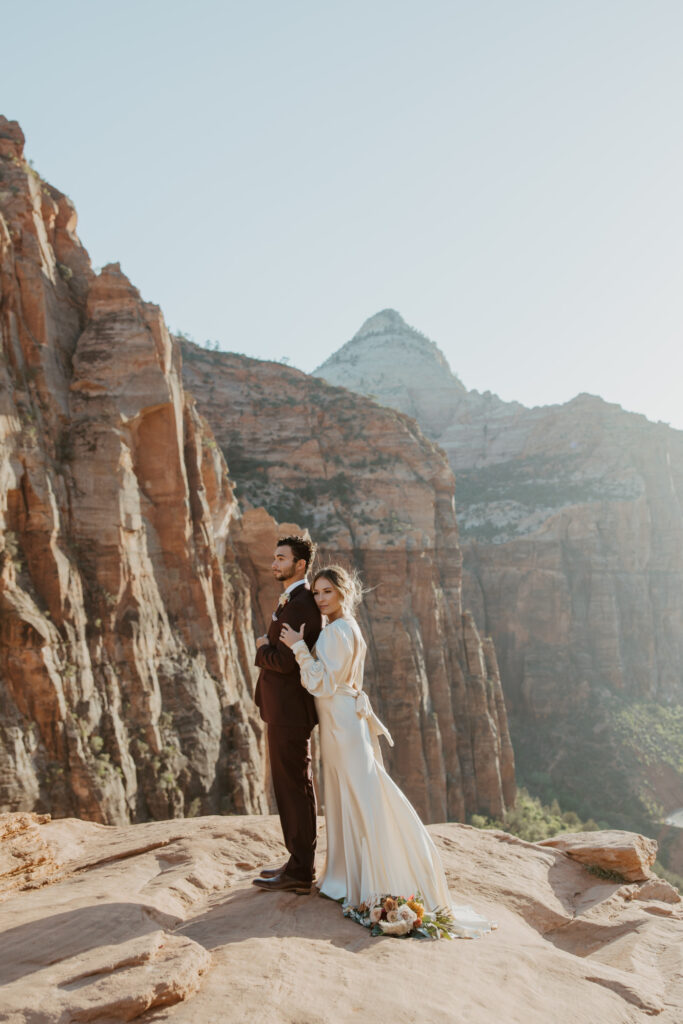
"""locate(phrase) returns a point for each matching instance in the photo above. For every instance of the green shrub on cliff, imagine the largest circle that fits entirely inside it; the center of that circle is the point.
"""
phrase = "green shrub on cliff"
(653, 732)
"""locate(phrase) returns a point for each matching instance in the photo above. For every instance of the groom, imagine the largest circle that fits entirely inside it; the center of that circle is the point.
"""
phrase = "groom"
(289, 712)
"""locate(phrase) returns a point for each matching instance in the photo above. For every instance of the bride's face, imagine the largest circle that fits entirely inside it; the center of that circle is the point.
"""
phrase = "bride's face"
(327, 598)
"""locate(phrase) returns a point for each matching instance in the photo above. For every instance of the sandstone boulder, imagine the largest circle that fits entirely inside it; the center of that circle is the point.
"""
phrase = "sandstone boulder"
(657, 889)
(624, 853)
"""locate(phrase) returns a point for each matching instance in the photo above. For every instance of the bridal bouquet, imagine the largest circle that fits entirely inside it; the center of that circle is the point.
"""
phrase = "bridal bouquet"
(394, 915)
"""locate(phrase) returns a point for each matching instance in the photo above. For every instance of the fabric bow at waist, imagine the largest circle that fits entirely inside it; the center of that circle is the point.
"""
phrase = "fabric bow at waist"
(364, 710)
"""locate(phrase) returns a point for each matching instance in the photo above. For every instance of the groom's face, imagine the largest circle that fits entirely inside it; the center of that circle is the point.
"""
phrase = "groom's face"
(285, 565)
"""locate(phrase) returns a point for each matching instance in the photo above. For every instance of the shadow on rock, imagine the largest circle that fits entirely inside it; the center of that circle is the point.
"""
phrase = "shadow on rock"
(32, 946)
(253, 914)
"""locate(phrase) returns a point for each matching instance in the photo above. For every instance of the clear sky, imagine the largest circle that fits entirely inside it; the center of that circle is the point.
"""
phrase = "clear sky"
(508, 174)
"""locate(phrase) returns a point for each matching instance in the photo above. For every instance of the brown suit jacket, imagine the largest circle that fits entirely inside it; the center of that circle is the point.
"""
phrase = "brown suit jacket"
(280, 697)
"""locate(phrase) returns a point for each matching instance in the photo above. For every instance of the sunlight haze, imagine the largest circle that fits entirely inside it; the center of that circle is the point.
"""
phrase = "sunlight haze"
(506, 176)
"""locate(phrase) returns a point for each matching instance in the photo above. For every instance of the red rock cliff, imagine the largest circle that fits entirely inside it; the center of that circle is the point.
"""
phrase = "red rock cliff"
(126, 645)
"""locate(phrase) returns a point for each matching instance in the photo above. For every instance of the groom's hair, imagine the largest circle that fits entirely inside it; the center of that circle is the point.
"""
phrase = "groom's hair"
(302, 547)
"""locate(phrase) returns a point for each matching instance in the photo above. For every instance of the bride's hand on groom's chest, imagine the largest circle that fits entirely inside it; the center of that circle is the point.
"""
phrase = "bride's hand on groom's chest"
(290, 636)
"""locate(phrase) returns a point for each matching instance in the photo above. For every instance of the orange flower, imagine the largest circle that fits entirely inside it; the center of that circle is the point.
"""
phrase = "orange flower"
(416, 907)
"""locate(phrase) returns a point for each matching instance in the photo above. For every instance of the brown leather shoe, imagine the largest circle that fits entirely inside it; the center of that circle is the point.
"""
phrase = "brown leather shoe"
(271, 872)
(284, 883)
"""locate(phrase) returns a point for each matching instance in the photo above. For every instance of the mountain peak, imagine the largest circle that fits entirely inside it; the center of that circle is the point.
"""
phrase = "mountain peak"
(386, 337)
(397, 364)
(385, 320)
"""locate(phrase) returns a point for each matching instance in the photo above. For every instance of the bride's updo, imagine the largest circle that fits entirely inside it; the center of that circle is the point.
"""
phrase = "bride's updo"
(347, 583)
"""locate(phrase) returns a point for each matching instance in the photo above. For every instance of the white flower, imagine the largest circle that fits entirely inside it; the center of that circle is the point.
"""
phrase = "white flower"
(375, 915)
(407, 914)
(400, 927)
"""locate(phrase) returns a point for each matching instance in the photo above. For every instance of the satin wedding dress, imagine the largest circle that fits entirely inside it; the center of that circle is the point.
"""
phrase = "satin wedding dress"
(376, 843)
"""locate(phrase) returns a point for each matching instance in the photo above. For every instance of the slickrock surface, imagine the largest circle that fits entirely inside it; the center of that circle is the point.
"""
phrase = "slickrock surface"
(126, 645)
(160, 922)
(572, 531)
(376, 494)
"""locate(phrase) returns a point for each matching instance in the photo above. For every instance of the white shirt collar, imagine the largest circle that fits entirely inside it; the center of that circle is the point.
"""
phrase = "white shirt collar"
(292, 586)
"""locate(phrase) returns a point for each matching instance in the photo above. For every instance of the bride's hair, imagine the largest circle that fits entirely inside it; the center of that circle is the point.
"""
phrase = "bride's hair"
(346, 582)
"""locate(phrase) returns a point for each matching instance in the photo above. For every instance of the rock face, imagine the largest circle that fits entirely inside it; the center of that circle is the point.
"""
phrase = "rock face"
(573, 562)
(126, 631)
(375, 493)
(125, 627)
(162, 917)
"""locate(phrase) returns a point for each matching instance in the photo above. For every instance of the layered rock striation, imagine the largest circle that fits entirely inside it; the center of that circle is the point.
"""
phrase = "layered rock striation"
(377, 495)
(572, 529)
(126, 647)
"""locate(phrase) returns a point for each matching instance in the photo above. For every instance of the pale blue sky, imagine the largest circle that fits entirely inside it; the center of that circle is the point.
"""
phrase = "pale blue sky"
(506, 173)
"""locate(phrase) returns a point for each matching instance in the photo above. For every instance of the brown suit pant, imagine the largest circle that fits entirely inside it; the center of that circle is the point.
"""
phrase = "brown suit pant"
(289, 750)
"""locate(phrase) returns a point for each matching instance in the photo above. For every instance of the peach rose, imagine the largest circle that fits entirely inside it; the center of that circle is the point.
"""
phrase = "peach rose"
(375, 915)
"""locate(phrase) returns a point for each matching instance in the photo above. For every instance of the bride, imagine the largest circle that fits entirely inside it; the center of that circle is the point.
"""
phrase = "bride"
(376, 843)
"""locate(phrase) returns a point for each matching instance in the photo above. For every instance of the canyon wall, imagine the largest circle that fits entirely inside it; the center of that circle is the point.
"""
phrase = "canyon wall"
(126, 647)
(133, 578)
(375, 494)
(572, 529)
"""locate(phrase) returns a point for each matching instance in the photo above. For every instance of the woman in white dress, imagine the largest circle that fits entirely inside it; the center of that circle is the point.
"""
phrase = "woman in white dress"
(376, 842)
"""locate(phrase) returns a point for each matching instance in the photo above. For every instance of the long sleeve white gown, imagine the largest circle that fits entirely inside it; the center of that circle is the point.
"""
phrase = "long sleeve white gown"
(376, 843)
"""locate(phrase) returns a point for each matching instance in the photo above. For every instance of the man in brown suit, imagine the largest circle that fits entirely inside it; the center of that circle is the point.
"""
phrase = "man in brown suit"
(289, 712)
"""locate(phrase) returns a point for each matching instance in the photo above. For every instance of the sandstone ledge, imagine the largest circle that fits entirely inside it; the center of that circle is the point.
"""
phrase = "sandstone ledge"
(623, 853)
(159, 922)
